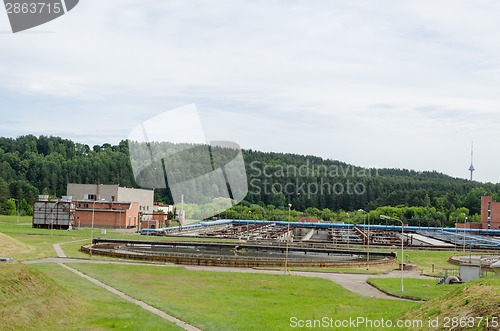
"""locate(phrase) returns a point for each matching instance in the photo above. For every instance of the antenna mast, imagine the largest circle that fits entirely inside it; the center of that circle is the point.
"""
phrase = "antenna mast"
(471, 168)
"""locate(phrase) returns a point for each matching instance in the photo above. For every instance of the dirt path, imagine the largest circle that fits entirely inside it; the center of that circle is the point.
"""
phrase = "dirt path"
(142, 304)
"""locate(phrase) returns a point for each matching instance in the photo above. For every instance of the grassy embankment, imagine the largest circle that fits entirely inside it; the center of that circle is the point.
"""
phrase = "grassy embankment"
(474, 306)
(31, 299)
(471, 303)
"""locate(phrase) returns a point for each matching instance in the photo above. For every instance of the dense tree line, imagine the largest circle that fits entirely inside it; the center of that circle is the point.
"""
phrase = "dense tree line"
(31, 165)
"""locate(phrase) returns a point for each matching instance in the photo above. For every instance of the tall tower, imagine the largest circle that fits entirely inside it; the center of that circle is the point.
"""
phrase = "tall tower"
(471, 168)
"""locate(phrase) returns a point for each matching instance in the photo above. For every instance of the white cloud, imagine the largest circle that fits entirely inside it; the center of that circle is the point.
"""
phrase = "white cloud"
(387, 83)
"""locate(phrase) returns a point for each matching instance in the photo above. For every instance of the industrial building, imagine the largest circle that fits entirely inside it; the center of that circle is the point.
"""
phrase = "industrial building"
(160, 216)
(490, 216)
(114, 193)
(55, 214)
(490, 213)
(107, 214)
(68, 214)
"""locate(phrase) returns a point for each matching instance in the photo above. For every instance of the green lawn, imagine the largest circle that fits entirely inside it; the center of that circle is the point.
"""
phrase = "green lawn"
(41, 240)
(209, 300)
(239, 301)
(378, 269)
(99, 309)
(425, 260)
(414, 288)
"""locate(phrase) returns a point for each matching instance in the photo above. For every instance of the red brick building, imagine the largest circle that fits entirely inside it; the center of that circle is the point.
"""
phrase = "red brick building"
(162, 218)
(490, 213)
(150, 224)
(107, 214)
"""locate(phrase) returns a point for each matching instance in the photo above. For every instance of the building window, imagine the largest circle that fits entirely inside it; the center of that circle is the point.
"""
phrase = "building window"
(91, 197)
(489, 214)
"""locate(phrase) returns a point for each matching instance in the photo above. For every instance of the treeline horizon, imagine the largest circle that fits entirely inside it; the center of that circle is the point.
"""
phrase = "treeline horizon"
(31, 165)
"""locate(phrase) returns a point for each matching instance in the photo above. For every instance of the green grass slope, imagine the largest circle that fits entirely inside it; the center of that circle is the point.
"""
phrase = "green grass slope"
(31, 300)
(463, 308)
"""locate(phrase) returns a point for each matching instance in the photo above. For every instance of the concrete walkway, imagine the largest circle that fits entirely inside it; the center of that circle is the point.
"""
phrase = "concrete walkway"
(58, 249)
(142, 304)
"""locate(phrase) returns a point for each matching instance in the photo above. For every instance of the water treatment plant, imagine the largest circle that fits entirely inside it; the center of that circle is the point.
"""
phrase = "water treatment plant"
(252, 243)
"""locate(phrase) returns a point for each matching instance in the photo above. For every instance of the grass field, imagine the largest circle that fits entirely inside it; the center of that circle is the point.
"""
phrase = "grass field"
(38, 242)
(101, 309)
(232, 301)
(379, 269)
(425, 260)
(414, 288)
(32, 299)
(48, 297)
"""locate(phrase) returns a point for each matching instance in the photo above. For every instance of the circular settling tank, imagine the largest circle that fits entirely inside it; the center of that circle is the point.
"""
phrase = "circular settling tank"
(235, 254)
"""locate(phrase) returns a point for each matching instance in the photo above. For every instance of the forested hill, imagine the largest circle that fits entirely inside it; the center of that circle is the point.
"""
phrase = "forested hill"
(32, 165)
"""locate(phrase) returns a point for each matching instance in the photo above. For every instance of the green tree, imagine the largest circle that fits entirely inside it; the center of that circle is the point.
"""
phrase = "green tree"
(4, 197)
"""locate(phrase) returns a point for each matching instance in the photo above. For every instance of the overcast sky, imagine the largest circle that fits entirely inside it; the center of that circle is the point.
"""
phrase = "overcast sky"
(373, 83)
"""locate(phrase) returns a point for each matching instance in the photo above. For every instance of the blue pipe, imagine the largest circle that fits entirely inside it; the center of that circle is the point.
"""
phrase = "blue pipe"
(330, 225)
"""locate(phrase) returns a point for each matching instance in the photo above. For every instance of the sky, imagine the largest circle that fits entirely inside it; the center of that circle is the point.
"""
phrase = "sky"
(389, 84)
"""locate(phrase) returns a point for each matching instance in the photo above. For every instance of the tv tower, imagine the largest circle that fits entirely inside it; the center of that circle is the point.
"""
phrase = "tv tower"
(471, 168)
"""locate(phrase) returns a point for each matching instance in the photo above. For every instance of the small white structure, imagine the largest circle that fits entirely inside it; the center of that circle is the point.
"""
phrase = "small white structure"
(496, 267)
(470, 272)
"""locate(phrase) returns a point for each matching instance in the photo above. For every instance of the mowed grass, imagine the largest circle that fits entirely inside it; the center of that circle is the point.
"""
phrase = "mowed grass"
(414, 288)
(30, 300)
(94, 308)
(241, 301)
(38, 243)
(375, 269)
(425, 260)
